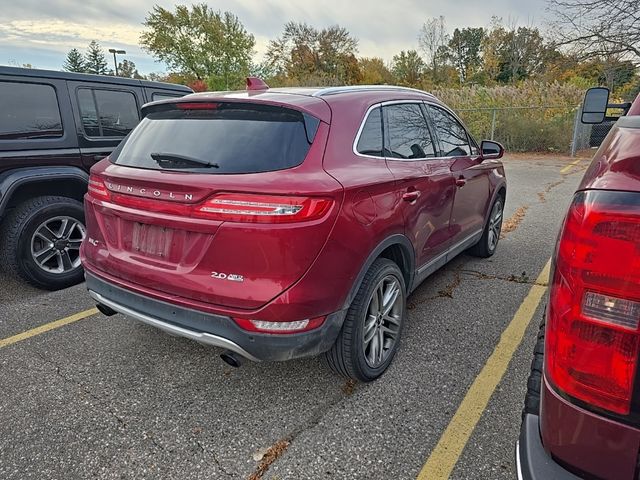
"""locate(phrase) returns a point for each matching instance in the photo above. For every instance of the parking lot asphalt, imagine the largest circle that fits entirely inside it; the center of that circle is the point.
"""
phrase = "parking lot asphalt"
(109, 398)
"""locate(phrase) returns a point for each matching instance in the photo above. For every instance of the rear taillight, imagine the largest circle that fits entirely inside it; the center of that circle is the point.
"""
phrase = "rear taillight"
(239, 207)
(263, 326)
(592, 334)
(97, 188)
(223, 207)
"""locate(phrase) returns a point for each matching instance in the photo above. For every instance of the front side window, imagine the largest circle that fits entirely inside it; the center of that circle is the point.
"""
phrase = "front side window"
(453, 137)
(370, 141)
(407, 132)
(107, 113)
(29, 110)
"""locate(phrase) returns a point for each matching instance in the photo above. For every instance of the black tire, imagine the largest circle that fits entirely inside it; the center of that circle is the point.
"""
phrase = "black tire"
(18, 229)
(347, 356)
(484, 247)
(534, 383)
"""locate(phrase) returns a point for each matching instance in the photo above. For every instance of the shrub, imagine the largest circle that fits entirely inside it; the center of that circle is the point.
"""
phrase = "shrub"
(547, 127)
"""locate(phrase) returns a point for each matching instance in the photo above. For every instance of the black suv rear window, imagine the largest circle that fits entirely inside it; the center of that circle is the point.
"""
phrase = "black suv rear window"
(28, 110)
(218, 138)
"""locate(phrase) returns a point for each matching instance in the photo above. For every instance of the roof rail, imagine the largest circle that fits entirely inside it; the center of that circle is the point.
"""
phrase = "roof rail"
(365, 88)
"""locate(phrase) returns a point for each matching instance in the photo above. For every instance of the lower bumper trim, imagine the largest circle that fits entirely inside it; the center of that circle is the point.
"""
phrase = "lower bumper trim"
(532, 460)
(202, 337)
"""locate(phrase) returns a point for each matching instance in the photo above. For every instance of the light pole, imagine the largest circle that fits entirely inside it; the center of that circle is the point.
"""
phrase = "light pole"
(115, 62)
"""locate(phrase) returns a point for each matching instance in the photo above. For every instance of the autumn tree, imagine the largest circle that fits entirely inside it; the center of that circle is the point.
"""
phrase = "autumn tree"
(513, 53)
(95, 60)
(307, 55)
(74, 62)
(408, 67)
(373, 71)
(209, 44)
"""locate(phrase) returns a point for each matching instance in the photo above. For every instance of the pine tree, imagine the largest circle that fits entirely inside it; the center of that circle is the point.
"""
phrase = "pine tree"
(95, 60)
(74, 62)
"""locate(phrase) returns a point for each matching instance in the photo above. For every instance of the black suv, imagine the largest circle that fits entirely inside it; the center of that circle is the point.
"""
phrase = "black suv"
(53, 127)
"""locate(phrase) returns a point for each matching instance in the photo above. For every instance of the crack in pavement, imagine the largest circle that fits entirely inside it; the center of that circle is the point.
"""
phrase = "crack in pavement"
(215, 459)
(446, 292)
(522, 278)
(275, 451)
(83, 388)
(121, 422)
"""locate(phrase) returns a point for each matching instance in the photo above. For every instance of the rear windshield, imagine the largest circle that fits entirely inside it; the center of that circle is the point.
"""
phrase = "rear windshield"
(218, 138)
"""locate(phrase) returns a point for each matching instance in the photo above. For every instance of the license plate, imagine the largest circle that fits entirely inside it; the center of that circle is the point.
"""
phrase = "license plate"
(152, 240)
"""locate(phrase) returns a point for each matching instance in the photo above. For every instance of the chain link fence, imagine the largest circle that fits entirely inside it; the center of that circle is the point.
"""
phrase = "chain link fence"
(548, 129)
(590, 136)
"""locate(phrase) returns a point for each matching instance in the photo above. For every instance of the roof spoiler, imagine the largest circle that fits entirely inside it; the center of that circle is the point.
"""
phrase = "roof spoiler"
(255, 83)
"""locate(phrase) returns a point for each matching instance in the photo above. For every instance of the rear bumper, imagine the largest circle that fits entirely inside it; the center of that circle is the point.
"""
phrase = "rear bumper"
(532, 461)
(217, 330)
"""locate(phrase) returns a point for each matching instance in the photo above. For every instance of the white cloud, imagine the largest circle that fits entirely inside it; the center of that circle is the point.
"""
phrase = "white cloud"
(382, 27)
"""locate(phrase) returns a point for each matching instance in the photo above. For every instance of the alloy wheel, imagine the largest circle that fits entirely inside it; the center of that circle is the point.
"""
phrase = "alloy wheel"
(383, 321)
(55, 244)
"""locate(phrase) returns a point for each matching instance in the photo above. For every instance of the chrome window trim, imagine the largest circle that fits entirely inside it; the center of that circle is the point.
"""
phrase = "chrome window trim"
(366, 117)
(425, 103)
(364, 121)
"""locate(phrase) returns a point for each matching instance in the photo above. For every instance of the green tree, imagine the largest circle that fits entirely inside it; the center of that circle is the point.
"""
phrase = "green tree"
(74, 62)
(209, 44)
(464, 51)
(305, 55)
(127, 68)
(408, 68)
(95, 59)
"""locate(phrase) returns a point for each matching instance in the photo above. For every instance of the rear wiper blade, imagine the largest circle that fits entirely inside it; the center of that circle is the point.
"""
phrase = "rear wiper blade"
(176, 158)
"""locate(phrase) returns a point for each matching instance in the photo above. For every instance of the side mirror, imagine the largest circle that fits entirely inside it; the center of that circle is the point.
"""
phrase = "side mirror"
(491, 150)
(594, 108)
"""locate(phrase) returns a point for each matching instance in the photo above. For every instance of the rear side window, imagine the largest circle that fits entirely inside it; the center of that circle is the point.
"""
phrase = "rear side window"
(218, 138)
(164, 96)
(107, 113)
(370, 141)
(453, 136)
(407, 132)
(29, 110)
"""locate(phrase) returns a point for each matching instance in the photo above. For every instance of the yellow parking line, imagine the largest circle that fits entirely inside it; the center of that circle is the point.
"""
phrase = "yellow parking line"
(5, 342)
(445, 455)
(570, 166)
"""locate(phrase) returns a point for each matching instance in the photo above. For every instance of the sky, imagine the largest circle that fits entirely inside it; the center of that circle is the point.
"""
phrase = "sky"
(41, 32)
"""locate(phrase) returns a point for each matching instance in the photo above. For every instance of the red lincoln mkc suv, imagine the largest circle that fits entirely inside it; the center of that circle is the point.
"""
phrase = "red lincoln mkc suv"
(280, 223)
(582, 410)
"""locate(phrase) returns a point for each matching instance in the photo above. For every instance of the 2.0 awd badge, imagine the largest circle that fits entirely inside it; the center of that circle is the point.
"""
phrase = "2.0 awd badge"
(230, 276)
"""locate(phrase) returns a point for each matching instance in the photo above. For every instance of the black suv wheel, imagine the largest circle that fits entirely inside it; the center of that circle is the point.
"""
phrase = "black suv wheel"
(41, 240)
(371, 331)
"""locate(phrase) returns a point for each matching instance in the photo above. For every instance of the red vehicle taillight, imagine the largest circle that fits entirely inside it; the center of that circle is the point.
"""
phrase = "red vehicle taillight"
(97, 188)
(224, 207)
(592, 333)
(240, 207)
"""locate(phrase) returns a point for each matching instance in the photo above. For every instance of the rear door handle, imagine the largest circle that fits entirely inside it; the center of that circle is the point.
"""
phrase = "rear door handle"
(411, 196)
